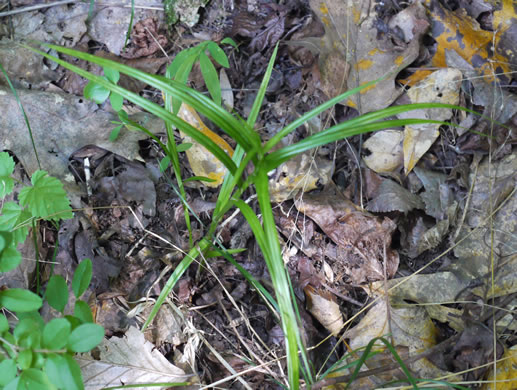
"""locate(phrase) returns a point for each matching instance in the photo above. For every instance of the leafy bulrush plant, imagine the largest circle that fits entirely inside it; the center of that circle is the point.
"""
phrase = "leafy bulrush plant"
(264, 156)
(35, 354)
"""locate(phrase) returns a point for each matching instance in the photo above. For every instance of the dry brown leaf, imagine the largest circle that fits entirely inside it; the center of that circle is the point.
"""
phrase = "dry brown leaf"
(323, 307)
(363, 240)
(385, 149)
(441, 86)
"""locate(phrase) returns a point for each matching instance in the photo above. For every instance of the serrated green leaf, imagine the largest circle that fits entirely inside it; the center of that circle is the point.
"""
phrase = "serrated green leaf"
(19, 300)
(83, 311)
(7, 371)
(96, 92)
(46, 198)
(10, 258)
(57, 293)
(115, 132)
(33, 379)
(229, 41)
(85, 337)
(218, 54)
(55, 333)
(116, 101)
(210, 76)
(6, 170)
(111, 74)
(82, 277)
(12, 216)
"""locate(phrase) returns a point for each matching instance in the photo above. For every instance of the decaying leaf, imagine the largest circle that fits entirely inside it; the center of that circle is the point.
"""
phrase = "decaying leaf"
(323, 307)
(385, 148)
(353, 42)
(80, 123)
(363, 240)
(128, 359)
(392, 196)
(202, 162)
(409, 327)
(304, 173)
(442, 86)
(506, 374)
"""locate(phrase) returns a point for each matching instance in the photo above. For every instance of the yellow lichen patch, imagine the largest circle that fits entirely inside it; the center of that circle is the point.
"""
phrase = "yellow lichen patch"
(351, 103)
(399, 60)
(323, 9)
(373, 52)
(364, 90)
(364, 64)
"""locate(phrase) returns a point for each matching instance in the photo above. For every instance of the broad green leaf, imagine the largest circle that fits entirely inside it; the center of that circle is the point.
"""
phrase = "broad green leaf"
(4, 324)
(115, 132)
(28, 333)
(64, 372)
(85, 337)
(10, 258)
(33, 379)
(96, 92)
(57, 293)
(6, 170)
(178, 61)
(218, 54)
(24, 359)
(164, 163)
(229, 41)
(13, 385)
(38, 359)
(183, 147)
(83, 311)
(111, 74)
(55, 333)
(82, 277)
(116, 101)
(46, 198)
(210, 76)
(19, 300)
(7, 371)
(12, 216)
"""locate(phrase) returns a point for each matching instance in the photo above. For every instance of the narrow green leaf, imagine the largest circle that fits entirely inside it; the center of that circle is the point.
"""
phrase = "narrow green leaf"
(55, 333)
(83, 312)
(46, 198)
(210, 76)
(85, 337)
(6, 170)
(57, 293)
(111, 74)
(229, 41)
(218, 54)
(198, 178)
(82, 277)
(7, 371)
(96, 92)
(180, 58)
(19, 300)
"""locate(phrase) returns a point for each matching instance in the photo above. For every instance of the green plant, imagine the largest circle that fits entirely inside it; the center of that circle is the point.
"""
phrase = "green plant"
(35, 354)
(250, 150)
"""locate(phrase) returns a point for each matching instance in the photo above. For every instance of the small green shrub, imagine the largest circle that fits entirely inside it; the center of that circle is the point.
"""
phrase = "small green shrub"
(35, 354)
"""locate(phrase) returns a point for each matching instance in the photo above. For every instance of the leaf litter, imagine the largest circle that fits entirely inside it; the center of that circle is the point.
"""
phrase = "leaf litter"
(444, 205)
